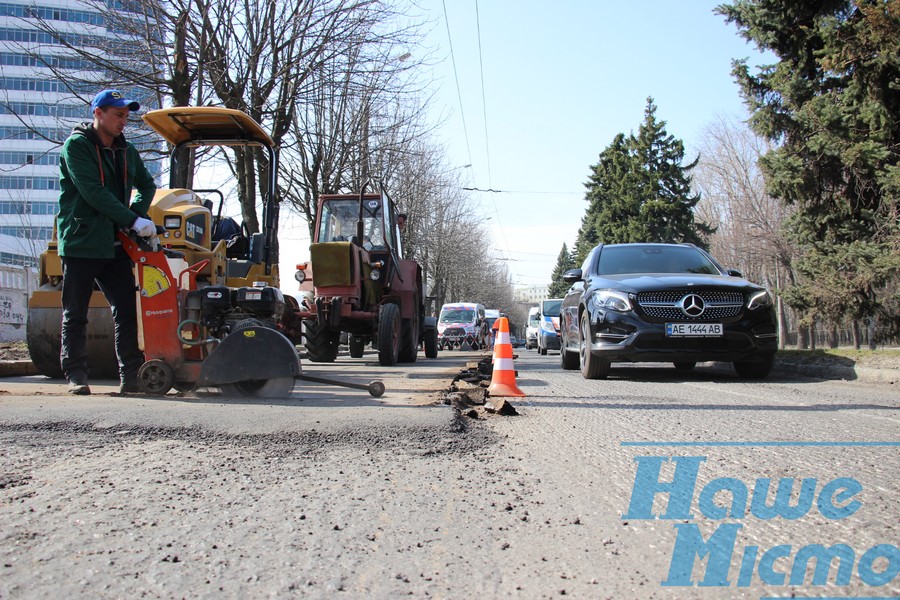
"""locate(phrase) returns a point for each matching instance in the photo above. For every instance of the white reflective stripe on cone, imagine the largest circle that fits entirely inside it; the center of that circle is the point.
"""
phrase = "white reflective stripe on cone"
(502, 338)
(503, 364)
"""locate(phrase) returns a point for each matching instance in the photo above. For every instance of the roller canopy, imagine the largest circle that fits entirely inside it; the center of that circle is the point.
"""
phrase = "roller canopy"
(206, 125)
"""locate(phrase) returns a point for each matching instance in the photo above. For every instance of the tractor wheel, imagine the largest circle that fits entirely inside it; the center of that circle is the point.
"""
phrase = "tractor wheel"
(321, 343)
(409, 343)
(431, 343)
(389, 335)
(357, 346)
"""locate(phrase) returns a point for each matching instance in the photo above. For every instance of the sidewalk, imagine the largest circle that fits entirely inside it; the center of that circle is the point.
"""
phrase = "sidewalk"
(855, 373)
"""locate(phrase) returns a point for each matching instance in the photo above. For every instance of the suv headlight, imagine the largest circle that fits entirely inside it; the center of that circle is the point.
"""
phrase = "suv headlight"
(547, 326)
(611, 300)
(759, 300)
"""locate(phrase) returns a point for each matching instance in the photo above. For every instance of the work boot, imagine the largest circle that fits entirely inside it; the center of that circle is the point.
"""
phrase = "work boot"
(130, 386)
(78, 387)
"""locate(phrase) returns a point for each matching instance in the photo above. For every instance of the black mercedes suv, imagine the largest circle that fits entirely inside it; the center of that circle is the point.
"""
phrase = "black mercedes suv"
(664, 303)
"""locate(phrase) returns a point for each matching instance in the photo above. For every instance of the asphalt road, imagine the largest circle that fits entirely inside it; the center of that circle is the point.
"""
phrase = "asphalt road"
(332, 493)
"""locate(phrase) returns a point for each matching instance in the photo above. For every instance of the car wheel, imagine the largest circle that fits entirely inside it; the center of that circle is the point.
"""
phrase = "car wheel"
(684, 366)
(567, 360)
(592, 367)
(754, 370)
(541, 350)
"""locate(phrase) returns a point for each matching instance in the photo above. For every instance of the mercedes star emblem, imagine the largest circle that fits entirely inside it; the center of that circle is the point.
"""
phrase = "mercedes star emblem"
(692, 305)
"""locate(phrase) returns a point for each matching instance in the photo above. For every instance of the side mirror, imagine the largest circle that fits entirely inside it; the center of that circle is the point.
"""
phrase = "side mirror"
(734, 273)
(572, 275)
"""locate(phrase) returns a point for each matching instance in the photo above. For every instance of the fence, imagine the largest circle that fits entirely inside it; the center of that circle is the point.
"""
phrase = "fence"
(838, 337)
(16, 285)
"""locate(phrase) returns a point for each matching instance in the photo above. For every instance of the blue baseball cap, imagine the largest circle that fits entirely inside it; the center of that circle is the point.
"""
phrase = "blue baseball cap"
(113, 98)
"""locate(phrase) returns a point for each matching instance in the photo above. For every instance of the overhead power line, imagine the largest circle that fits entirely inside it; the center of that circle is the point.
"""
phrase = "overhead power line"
(462, 114)
(493, 191)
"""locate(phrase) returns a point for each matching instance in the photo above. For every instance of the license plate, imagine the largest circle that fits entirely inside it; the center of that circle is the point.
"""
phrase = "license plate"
(693, 329)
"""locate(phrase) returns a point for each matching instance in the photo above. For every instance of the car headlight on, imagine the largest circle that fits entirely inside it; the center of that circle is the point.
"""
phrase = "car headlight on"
(759, 300)
(611, 300)
(375, 274)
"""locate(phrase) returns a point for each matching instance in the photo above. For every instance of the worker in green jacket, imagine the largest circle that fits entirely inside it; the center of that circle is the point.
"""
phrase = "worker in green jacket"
(98, 170)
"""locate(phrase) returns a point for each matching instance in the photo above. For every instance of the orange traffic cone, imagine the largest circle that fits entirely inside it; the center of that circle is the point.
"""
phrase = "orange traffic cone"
(503, 379)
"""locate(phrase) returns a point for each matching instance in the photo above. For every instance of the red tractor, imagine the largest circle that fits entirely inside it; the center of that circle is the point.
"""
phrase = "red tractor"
(363, 286)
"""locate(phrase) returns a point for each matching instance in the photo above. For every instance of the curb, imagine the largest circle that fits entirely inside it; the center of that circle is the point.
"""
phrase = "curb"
(863, 374)
(17, 368)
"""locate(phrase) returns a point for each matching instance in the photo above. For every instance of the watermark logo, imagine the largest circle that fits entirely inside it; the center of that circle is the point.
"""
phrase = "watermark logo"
(729, 565)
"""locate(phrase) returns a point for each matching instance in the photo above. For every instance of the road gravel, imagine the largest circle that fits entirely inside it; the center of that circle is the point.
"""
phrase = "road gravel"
(331, 493)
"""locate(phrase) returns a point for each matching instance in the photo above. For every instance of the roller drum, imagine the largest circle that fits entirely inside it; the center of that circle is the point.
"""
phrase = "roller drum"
(42, 334)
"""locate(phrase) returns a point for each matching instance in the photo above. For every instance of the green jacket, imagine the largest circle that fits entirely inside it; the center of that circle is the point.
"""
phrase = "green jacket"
(95, 197)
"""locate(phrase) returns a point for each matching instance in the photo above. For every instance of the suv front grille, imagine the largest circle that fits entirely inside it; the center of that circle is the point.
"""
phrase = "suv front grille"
(666, 306)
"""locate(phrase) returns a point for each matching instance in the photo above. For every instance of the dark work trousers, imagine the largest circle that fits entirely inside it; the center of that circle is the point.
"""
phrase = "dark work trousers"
(116, 280)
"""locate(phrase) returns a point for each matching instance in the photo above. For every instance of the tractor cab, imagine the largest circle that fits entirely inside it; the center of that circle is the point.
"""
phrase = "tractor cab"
(363, 285)
(368, 221)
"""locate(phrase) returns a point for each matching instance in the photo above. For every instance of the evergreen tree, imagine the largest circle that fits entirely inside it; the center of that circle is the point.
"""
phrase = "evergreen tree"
(564, 262)
(832, 105)
(639, 191)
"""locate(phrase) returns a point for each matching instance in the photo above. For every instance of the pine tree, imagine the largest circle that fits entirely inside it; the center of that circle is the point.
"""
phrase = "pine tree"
(564, 262)
(831, 104)
(639, 191)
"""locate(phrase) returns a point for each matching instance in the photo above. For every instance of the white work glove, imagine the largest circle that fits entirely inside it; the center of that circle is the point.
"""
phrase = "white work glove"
(143, 227)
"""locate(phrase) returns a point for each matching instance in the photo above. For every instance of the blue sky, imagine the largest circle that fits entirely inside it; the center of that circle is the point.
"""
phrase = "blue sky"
(560, 81)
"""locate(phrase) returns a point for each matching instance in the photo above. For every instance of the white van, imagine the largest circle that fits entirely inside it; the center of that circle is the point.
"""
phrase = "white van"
(532, 326)
(462, 324)
(548, 331)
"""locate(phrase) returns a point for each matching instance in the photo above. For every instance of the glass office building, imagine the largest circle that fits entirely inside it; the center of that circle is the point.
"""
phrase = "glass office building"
(37, 112)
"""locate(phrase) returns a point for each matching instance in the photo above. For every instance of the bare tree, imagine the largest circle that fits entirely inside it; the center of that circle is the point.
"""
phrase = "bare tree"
(336, 84)
(266, 59)
(749, 223)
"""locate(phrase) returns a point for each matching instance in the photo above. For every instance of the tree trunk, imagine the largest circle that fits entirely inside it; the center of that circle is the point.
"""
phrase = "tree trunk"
(833, 336)
(802, 337)
(872, 344)
(183, 177)
(857, 342)
(782, 324)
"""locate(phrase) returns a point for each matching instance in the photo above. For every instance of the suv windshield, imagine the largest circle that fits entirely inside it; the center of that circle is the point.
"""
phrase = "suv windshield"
(551, 309)
(458, 316)
(617, 260)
